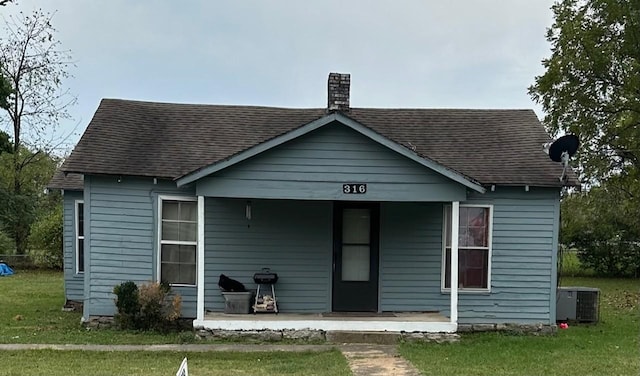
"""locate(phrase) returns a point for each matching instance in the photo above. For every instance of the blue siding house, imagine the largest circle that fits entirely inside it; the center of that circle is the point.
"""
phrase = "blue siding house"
(397, 219)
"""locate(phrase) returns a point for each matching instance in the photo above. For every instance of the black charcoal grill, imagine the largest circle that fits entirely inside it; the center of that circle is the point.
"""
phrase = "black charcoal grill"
(265, 277)
(265, 303)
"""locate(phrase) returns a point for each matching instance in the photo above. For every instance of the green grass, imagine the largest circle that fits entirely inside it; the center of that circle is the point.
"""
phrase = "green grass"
(32, 313)
(54, 363)
(609, 348)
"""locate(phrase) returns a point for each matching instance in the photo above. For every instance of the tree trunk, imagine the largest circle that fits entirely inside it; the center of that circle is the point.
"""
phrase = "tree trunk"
(20, 222)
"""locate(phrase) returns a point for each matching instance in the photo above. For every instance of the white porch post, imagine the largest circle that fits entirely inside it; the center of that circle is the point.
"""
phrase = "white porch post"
(200, 262)
(455, 222)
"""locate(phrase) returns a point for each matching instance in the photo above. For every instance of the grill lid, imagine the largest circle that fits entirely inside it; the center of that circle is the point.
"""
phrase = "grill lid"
(265, 277)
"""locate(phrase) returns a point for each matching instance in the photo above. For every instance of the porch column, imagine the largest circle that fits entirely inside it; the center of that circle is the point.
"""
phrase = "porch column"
(455, 222)
(200, 260)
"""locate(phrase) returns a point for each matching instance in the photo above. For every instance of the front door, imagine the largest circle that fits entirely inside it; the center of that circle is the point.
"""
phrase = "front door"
(355, 257)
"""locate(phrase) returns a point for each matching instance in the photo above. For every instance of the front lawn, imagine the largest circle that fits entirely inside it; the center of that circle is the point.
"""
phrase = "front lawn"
(54, 363)
(31, 312)
(609, 348)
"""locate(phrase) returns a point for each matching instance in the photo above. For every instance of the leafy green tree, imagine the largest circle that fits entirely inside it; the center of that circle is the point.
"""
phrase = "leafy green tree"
(34, 66)
(5, 143)
(591, 87)
(19, 210)
(45, 239)
(596, 224)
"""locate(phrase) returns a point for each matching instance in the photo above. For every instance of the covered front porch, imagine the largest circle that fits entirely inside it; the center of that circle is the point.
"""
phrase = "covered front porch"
(295, 239)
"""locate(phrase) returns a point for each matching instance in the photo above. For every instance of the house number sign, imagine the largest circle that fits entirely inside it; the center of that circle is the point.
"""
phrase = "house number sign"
(354, 189)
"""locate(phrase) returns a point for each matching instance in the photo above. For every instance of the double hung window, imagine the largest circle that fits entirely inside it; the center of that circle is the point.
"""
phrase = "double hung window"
(474, 247)
(178, 241)
(79, 238)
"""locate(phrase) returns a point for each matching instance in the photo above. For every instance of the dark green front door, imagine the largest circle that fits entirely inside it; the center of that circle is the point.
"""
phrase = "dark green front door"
(355, 257)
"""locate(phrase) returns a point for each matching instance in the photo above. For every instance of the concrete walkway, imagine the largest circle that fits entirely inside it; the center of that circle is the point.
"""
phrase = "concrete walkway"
(377, 360)
(363, 359)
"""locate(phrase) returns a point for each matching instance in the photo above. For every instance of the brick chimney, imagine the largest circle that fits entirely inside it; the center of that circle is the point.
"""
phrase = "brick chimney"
(338, 92)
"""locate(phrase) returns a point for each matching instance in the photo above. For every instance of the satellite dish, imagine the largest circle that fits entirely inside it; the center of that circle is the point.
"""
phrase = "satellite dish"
(561, 150)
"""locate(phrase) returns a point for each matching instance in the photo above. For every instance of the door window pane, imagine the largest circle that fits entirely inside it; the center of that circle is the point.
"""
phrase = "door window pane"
(355, 262)
(356, 226)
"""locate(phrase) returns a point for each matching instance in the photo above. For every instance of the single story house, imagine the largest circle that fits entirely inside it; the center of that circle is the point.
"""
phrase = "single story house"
(374, 219)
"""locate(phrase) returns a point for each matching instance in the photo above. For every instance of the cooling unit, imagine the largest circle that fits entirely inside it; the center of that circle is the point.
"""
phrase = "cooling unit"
(579, 304)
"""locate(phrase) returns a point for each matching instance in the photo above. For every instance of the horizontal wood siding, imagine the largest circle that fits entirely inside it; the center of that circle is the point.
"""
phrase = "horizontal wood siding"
(122, 221)
(73, 282)
(523, 260)
(411, 253)
(293, 238)
(314, 167)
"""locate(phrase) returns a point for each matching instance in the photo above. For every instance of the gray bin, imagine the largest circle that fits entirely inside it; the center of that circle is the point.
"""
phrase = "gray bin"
(237, 302)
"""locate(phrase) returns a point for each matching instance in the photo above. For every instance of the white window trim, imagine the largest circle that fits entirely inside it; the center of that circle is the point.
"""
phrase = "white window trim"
(162, 198)
(467, 290)
(76, 237)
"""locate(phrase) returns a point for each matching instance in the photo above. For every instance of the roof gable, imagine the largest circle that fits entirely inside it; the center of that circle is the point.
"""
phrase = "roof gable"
(319, 123)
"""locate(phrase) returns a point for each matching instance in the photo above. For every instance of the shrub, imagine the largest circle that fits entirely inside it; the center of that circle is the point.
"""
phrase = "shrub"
(128, 305)
(604, 227)
(7, 245)
(149, 307)
(46, 240)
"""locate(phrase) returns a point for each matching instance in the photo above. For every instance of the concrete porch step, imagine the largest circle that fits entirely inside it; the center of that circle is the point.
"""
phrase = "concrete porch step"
(381, 338)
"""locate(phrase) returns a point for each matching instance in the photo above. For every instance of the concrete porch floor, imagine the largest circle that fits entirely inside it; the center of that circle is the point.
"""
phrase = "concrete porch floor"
(433, 322)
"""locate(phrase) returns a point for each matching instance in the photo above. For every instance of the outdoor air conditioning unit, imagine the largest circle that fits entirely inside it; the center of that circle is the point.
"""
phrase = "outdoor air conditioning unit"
(579, 304)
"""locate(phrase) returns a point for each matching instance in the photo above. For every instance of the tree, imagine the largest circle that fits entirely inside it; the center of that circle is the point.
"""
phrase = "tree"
(591, 87)
(35, 66)
(5, 143)
(596, 224)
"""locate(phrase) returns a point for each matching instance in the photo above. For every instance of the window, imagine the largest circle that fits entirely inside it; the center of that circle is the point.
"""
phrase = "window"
(178, 241)
(79, 220)
(474, 247)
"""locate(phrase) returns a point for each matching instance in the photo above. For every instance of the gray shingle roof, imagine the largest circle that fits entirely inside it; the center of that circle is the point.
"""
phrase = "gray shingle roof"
(69, 182)
(167, 140)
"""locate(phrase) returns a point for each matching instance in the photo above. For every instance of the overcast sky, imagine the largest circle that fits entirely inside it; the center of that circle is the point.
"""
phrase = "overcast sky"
(426, 54)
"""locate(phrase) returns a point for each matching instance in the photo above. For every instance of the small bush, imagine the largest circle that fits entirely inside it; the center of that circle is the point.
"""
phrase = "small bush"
(46, 240)
(569, 265)
(149, 307)
(7, 245)
(612, 258)
(128, 305)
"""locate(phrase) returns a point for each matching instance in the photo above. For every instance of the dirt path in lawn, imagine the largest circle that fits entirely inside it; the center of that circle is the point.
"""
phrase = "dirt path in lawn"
(377, 360)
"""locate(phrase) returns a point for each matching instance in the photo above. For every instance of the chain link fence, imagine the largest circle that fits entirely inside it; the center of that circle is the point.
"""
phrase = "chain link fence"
(18, 261)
